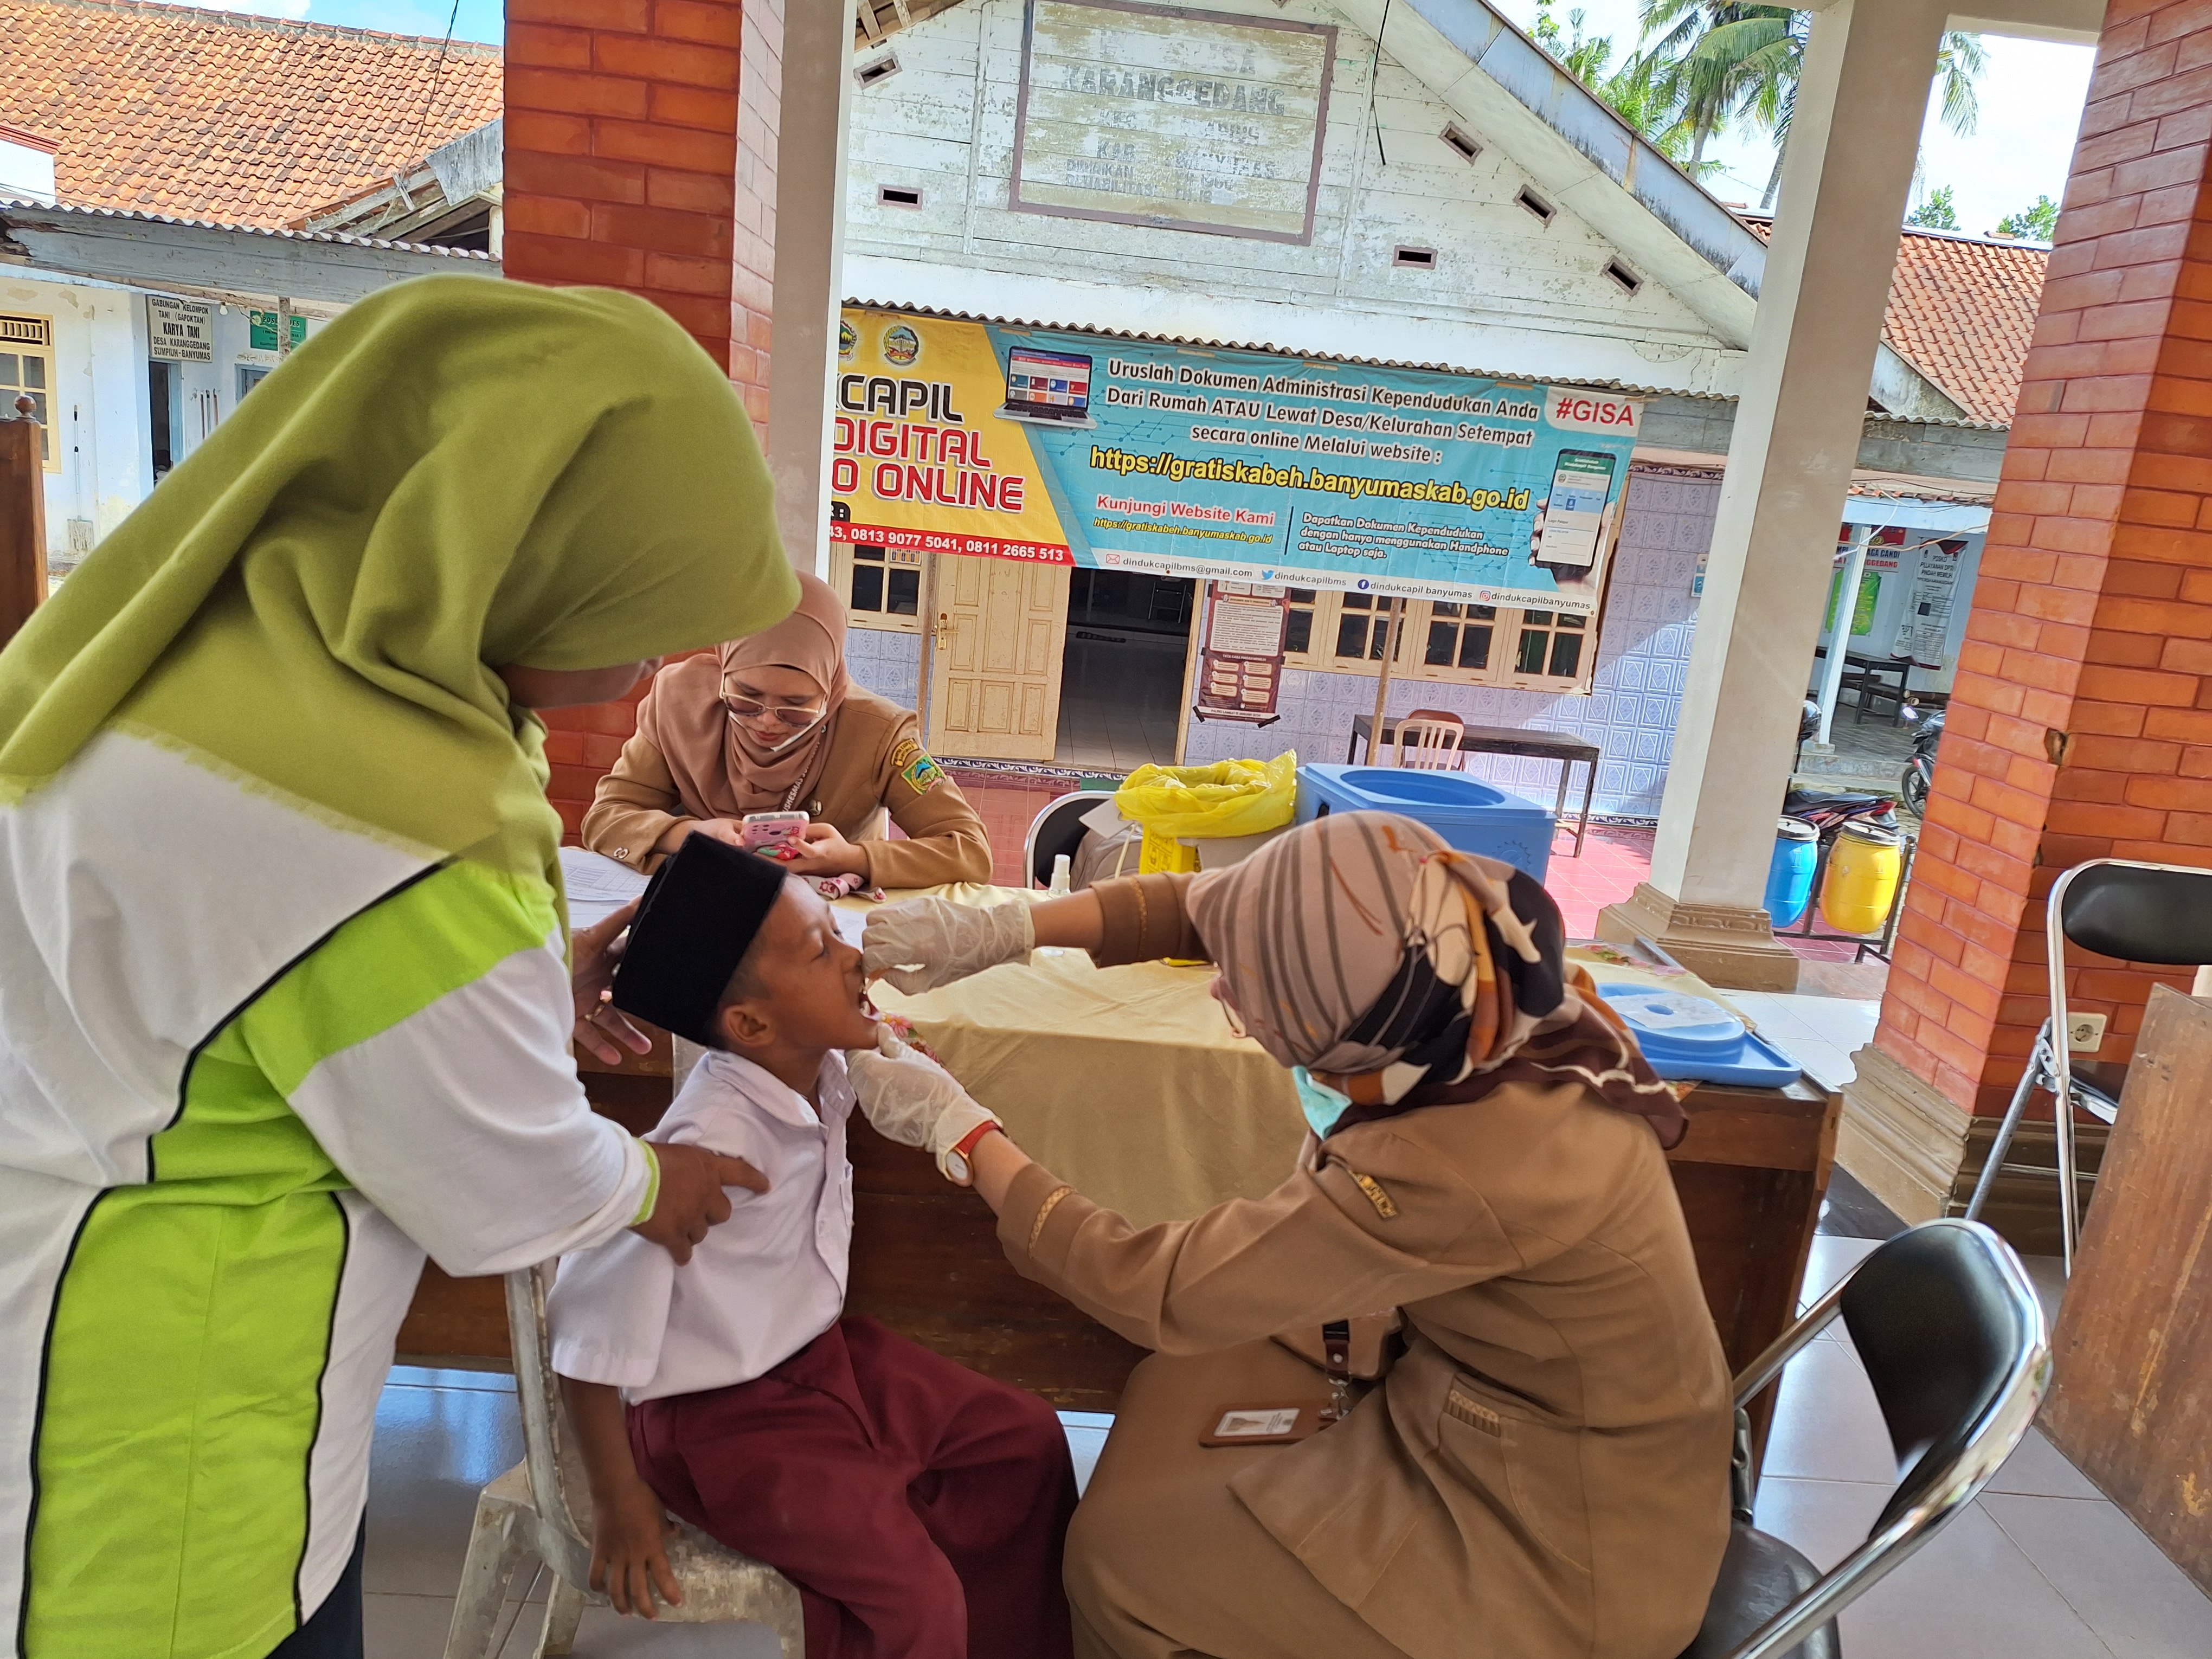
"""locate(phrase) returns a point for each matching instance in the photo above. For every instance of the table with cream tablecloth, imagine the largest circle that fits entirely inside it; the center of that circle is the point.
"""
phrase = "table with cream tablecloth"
(1130, 1083)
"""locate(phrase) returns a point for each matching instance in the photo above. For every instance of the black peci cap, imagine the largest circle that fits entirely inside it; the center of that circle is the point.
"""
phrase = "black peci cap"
(700, 915)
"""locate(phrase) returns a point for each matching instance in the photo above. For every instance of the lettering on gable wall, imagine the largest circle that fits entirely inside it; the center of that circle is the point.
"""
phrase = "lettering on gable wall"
(1159, 116)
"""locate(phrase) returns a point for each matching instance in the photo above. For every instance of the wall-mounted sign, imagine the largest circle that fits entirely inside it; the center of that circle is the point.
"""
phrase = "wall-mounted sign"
(1158, 115)
(261, 330)
(180, 331)
(1239, 665)
(965, 438)
(1926, 629)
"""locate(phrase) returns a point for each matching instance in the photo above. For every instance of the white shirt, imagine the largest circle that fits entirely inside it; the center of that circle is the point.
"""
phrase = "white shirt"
(763, 1285)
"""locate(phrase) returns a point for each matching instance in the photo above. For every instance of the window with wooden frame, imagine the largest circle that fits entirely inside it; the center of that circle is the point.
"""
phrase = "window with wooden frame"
(1448, 641)
(881, 586)
(26, 370)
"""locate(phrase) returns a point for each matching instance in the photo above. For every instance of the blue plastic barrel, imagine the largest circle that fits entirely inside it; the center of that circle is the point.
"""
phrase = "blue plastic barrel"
(1789, 873)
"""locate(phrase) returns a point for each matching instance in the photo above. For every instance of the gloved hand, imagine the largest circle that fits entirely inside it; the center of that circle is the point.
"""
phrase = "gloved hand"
(928, 942)
(912, 1100)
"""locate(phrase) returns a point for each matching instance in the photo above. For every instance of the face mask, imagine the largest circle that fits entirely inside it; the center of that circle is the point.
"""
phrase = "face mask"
(1321, 1105)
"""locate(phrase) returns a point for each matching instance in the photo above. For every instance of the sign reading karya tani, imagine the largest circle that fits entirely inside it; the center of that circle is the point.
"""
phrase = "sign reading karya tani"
(1158, 115)
(180, 331)
(966, 438)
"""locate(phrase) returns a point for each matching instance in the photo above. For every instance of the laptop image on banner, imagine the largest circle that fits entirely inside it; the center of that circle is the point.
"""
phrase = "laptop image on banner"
(1050, 388)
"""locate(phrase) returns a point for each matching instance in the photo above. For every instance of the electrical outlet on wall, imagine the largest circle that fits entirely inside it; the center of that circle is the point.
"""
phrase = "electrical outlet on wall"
(2085, 1033)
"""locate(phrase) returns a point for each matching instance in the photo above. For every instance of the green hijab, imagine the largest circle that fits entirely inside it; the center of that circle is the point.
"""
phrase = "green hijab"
(457, 473)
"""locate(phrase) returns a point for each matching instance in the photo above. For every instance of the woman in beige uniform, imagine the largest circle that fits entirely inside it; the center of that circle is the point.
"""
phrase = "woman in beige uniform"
(1543, 1472)
(772, 724)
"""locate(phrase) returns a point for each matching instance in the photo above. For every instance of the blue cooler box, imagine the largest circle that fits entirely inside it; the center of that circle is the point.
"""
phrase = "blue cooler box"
(1469, 815)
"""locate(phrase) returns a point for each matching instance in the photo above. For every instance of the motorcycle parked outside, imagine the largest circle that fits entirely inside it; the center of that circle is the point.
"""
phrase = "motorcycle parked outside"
(1828, 811)
(1920, 767)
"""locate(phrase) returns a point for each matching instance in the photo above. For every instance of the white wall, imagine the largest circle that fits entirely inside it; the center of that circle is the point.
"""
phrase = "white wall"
(1538, 294)
(102, 423)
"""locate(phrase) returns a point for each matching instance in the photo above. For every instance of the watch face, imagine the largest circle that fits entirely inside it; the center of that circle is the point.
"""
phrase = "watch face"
(956, 1168)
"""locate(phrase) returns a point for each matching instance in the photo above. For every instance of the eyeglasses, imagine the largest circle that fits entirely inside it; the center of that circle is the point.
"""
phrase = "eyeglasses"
(791, 719)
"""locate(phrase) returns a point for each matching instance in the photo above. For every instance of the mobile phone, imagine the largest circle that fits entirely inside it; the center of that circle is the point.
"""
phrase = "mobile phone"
(761, 830)
(1574, 517)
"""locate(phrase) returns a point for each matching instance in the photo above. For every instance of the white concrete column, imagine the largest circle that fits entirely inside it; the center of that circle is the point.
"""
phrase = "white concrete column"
(1847, 175)
(809, 257)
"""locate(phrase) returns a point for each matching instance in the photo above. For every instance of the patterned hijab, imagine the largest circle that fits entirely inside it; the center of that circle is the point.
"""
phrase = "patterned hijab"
(1362, 947)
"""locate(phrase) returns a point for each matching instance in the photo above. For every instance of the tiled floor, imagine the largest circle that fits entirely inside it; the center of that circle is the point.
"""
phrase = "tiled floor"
(2039, 1567)
(1118, 692)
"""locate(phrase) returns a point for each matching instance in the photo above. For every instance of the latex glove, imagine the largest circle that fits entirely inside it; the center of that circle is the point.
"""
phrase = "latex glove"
(928, 942)
(912, 1100)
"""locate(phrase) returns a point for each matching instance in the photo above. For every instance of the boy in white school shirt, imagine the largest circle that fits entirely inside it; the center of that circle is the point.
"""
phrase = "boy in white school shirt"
(920, 1508)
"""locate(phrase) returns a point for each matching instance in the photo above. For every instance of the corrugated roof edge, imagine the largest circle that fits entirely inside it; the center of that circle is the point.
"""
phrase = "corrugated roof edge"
(1344, 357)
(281, 25)
(26, 211)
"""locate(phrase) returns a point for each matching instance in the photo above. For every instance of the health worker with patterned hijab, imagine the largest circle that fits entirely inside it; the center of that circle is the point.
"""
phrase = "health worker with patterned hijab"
(1482, 1219)
(284, 994)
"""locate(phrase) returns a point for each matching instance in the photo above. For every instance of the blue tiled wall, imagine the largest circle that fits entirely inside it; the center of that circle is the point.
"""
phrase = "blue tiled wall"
(1630, 713)
(888, 665)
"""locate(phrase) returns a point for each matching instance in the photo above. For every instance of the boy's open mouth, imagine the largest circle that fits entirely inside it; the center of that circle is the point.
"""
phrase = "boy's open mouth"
(867, 1008)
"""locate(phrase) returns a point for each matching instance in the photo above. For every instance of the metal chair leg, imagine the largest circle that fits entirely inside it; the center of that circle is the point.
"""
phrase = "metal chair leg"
(2069, 1194)
(2030, 1081)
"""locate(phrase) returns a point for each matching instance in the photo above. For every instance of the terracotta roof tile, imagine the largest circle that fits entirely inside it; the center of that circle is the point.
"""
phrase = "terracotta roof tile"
(1961, 311)
(217, 115)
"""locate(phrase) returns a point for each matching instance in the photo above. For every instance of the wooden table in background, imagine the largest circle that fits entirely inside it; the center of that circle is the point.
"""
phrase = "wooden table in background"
(1563, 747)
(2132, 1404)
(925, 1260)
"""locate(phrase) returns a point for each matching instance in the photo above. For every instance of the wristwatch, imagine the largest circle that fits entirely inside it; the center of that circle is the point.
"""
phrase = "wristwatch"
(957, 1167)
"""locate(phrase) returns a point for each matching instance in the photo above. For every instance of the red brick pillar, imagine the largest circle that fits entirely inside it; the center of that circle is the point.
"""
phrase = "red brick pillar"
(2081, 726)
(641, 154)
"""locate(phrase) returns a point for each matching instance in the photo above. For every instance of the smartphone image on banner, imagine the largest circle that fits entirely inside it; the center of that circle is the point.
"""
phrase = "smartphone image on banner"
(1581, 483)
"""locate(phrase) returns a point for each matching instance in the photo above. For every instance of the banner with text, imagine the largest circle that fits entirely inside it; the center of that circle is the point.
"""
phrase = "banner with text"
(967, 438)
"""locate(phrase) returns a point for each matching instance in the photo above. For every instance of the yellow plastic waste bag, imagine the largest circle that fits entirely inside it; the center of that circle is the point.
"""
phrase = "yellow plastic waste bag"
(1228, 797)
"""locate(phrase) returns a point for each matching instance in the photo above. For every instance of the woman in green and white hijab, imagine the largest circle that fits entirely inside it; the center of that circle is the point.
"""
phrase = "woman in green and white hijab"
(283, 995)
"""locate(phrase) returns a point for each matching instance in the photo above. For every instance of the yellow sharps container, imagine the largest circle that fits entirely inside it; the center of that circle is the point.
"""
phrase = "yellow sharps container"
(1862, 881)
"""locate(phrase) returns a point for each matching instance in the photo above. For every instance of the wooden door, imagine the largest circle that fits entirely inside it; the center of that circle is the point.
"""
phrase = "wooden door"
(994, 675)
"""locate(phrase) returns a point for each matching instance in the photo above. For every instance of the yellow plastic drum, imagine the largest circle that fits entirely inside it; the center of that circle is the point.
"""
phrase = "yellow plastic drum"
(1861, 882)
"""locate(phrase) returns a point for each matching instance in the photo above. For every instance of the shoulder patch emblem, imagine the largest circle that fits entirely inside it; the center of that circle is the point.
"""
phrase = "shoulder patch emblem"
(913, 763)
(1385, 1206)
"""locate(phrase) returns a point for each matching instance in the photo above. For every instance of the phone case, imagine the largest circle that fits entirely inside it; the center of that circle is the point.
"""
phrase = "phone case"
(758, 830)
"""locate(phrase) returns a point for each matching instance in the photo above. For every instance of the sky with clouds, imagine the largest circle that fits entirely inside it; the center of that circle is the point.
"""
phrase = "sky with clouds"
(2031, 101)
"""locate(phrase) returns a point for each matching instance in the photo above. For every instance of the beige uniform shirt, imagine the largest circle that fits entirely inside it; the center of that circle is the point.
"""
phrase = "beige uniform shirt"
(877, 769)
(1547, 1463)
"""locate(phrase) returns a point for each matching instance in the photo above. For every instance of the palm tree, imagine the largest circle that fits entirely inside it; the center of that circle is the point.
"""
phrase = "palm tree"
(1737, 63)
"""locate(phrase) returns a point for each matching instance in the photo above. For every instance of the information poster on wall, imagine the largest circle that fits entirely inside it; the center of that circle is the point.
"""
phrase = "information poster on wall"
(1925, 631)
(965, 438)
(1239, 665)
(1160, 115)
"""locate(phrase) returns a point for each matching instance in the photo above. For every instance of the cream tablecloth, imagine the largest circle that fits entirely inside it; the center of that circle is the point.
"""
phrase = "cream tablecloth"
(1128, 1081)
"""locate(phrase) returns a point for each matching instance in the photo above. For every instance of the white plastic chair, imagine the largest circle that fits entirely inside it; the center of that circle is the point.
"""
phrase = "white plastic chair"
(543, 1507)
(1435, 736)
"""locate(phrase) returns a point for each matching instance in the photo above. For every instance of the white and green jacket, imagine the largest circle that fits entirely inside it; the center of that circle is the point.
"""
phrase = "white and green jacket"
(255, 1060)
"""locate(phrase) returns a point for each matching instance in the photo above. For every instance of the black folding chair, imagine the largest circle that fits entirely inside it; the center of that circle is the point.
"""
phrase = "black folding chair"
(1953, 1340)
(2154, 913)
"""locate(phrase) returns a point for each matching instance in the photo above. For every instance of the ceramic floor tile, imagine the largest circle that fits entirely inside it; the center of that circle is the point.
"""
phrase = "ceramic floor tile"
(2139, 1603)
(410, 1626)
(606, 1634)
(1971, 1593)
(435, 1449)
(1828, 1261)
(1827, 1425)
(2039, 1469)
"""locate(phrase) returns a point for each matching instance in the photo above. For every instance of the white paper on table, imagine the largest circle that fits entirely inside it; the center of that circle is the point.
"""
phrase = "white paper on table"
(594, 878)
(851, 923)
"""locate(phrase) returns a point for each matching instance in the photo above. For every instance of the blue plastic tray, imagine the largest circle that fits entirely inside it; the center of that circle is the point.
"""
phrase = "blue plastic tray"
(1687, 1036)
